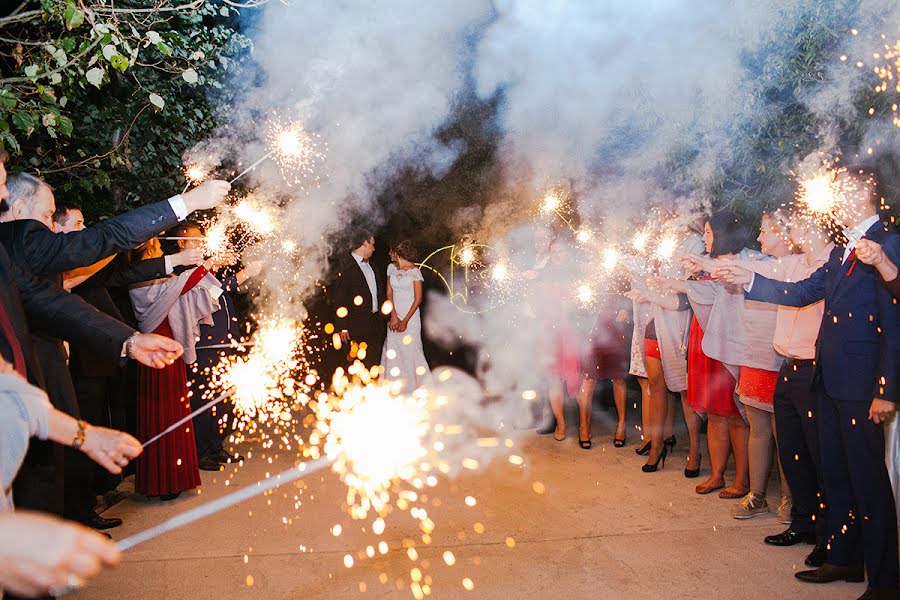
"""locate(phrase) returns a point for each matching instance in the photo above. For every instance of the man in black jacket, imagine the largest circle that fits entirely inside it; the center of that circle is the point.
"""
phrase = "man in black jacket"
(26, 234)
(95, 376)
(356, 296)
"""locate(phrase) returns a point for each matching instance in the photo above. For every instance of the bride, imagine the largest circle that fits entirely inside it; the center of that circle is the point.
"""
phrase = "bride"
(403, 358)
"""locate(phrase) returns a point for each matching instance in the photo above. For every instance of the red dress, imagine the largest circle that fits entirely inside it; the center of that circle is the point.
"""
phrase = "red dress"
(169, 465)
(710, 384)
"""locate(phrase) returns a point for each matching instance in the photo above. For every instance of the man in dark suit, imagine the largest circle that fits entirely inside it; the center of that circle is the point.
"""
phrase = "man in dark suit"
(94, 376)
(211, 426)
(27, 235)
(356, 297)
(857, 372)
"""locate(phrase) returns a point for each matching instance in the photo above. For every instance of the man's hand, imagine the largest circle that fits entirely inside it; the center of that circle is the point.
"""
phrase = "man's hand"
(622, 315)
(881, 410)
(732, 274)
(155, 350)
(251, 269)
(187, 258)
(40, 553)
(206, 195)
(694, 263)
(869, 252)
(109, 448)
(345, 336)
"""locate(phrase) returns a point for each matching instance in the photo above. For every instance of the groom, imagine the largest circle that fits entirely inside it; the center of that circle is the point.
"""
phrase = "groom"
(357, 295)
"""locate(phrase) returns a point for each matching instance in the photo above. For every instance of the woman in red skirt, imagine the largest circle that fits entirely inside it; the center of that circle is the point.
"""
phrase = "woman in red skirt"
(172, 307)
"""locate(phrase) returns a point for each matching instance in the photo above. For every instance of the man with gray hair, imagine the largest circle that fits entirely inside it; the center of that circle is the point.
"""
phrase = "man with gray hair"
(29, 198)
(27, 233)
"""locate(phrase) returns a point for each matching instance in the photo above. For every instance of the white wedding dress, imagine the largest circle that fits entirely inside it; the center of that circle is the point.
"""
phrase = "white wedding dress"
(403, 357)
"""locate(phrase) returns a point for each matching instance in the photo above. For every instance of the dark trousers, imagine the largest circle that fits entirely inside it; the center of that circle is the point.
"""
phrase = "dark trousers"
(796, 409)
(862, 518)
(372, 333)
(209, 426)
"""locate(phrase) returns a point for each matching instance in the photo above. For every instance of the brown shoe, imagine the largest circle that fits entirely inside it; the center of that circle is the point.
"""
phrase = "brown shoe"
(828, 573)
(881, 594)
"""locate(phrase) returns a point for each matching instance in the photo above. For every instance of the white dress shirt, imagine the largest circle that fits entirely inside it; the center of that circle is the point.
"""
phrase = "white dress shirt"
(369, 274)
(856, 233)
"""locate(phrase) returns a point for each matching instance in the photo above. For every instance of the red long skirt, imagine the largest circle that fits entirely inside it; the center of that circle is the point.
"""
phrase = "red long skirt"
(710, 384)
(169, 465)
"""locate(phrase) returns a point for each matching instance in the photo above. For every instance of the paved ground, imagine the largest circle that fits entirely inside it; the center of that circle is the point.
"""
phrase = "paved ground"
(602, 529)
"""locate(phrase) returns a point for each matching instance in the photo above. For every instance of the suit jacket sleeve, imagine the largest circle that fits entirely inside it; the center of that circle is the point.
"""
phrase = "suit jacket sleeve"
(118, 274)
(49, 253)
(892, 251)
(67, 316)
(802, 293)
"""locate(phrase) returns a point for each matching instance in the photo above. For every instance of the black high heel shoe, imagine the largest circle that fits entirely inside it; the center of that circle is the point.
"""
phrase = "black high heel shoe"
(585, 444)
(670, 442)
(619, 442)
(692, 473)
(643, 450)
(660, 462)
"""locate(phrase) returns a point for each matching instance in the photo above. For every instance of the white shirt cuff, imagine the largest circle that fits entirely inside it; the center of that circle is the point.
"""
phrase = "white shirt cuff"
(168, 260)
(749, 286)
(178, 207)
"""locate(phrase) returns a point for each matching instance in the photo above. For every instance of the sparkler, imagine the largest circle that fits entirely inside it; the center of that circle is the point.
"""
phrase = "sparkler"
(293, 148)
(610, 259)
(194, 175)
(639, 242)
(666, 248)
(210, 508)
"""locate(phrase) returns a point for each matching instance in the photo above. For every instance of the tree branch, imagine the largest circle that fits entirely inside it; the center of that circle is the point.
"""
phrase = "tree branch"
(56, 70)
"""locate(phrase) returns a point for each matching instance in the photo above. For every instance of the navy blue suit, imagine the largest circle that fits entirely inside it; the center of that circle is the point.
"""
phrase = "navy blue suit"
(857, 359)
(207, 431)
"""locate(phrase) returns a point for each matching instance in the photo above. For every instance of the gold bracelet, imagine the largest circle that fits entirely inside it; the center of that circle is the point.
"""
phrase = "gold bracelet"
(78, 442)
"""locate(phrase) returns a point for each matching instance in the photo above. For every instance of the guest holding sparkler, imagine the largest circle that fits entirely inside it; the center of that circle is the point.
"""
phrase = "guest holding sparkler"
(606, 358)
(173, 307)
(711, 380)
(856, 376)
(752, 327)
(403, 358)
(794, 401)
(216, 340)
(665, 347)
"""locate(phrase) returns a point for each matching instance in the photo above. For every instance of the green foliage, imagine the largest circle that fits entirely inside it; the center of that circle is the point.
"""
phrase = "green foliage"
(102, 101)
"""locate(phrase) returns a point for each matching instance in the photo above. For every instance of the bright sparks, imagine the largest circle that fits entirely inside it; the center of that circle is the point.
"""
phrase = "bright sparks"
(610, 259)
(819, 194)
(550, 204)
(296, 150)
(639, 241)
(666, 248)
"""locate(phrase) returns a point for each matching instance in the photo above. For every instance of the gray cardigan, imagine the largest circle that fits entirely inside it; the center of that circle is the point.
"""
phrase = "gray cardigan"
(25, 409)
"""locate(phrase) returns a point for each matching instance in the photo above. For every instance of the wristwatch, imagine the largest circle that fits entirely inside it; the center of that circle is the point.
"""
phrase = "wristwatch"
(129, 344)
(79, 435)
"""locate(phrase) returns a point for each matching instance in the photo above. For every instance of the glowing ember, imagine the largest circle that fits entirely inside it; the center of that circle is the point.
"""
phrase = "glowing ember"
(550, 204)
(295, 149)
(259, 219)
(585, 294)
(610, 259)
(467, 256)
(584, 235)
(666, 248)
(500, 272)
(195, 174)
(639, 242)
(819, 194)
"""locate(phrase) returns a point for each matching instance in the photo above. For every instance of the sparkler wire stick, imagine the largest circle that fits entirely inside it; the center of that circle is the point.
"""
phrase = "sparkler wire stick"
(184, 420)
(224, 502)
(186, 186)
(253, 166)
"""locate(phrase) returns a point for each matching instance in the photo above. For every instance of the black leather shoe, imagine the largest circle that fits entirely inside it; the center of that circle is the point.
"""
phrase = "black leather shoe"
(828, 573)
(208, 463)
(816, 558)
(881, 594)
(101, 523)
(789, 537)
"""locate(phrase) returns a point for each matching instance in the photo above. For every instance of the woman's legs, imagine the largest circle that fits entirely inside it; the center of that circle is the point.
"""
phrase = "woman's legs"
(719, 446)
(585, 396)
(645, 408)
(669, 423)
(619, 394)
(760, 449)
(557, 405)
(739, 435)
(693, 422)
(659, 404)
